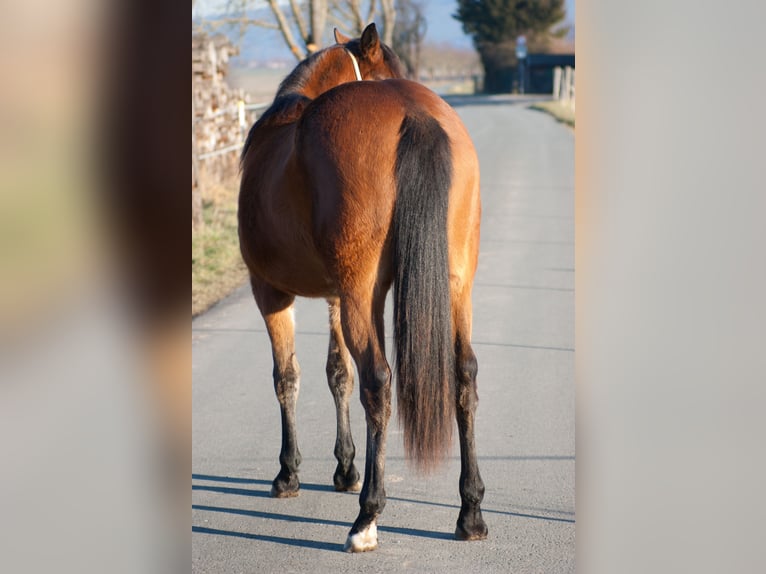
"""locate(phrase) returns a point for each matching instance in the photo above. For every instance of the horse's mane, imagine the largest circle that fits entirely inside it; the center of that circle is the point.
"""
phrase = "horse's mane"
(299, 77)
(288, 103)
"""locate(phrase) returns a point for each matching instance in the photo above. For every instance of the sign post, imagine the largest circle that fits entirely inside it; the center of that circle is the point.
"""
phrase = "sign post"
(521, 56)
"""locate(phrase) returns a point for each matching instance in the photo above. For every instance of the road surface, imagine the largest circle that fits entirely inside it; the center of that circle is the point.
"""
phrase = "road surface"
(525, 430)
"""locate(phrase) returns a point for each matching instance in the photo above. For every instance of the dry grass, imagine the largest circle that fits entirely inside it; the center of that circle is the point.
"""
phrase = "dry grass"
(562, 112)
(217, 267)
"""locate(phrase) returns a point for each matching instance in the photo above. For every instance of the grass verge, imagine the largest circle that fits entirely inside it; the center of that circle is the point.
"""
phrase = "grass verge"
(562, 112)
(217, 266)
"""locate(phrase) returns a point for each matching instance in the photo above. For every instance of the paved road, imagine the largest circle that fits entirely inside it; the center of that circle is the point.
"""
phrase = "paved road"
(524, 341)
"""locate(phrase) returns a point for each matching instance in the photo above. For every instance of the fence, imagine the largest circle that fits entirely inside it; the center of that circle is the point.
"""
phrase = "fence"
(217, 139)
(221, 116)
(564, 85)
(244, 122)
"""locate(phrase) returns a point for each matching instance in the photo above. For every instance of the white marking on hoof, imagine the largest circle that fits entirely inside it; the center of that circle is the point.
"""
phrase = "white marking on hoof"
(363, 541)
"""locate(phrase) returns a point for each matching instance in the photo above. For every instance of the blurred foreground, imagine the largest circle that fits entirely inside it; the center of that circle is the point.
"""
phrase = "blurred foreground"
(94, 352)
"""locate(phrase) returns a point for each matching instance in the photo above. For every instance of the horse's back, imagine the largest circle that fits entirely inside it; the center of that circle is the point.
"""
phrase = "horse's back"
(346, 146)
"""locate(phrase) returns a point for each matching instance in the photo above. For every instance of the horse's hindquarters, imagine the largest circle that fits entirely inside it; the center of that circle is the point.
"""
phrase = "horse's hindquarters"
(275, 218)
(347, 147)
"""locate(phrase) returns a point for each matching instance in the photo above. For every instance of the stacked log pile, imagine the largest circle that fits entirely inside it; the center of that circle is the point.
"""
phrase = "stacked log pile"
(215, 118)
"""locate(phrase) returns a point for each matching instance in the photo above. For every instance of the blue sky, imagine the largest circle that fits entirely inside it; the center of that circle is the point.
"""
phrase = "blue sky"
(207, 6)
(442, 28)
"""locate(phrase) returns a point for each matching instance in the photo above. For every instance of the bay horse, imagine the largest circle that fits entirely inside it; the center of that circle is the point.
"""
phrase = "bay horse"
(355, 180)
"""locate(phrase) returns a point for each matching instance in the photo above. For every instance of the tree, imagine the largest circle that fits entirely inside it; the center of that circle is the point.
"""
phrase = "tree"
(347, 15)
(495, 25)
(409, 34)
(304, 24)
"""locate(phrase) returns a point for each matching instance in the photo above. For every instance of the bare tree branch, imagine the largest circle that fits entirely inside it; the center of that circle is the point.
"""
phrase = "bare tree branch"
(299, 19)
(389, 20)
(410, 31)
(371, 12)
(287, 34)
(357, 12)
(342, 25)
(343, 14)
(318, 10)
(242, 20)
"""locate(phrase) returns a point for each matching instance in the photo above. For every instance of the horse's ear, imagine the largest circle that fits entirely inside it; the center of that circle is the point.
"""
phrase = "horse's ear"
(370, 44)
(340, 38)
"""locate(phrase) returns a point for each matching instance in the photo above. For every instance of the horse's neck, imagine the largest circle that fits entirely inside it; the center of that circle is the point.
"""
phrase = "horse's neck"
(324, 75)
(292, 100)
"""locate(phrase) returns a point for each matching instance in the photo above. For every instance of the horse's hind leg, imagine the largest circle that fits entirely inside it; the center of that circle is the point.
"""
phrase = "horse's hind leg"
(277, 310)
(340, 378)
(470, 524)
(363, 330)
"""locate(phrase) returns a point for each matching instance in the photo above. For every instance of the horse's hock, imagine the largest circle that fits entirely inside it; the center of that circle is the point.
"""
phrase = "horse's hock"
(215, 124)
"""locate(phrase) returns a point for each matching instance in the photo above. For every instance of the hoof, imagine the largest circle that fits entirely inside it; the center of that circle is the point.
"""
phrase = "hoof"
(476, 532)
(284, 493)
(285, 488)
(348, 482)
(355, 487)
(471, 525)
(362, 541)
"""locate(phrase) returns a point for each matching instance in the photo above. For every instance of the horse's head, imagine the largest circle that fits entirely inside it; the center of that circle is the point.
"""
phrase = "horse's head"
(375, 60)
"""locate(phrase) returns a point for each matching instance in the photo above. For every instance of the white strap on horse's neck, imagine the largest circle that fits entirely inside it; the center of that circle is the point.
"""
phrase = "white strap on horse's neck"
(356, 66)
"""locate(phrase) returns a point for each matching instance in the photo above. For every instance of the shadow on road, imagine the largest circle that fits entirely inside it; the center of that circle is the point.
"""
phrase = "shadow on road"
(278, 539)
(246, 491)
(311, 520)
(328, 488)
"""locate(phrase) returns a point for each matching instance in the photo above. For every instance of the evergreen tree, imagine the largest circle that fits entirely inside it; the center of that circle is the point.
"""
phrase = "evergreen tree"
(495, 25)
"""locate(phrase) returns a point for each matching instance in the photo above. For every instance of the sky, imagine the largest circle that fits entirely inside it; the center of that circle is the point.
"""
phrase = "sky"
(442, 28)
(213, 6)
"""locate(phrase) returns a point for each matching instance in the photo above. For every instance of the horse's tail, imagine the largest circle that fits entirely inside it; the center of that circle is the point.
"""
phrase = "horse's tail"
(425, 357)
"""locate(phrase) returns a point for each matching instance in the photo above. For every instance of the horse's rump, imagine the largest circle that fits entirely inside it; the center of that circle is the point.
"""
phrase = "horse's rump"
(347, 143)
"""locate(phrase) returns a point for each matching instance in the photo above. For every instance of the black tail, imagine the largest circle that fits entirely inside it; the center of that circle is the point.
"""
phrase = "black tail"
(422, 316)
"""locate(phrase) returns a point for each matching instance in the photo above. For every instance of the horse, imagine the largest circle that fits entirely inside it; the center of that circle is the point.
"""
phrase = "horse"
(353, 180)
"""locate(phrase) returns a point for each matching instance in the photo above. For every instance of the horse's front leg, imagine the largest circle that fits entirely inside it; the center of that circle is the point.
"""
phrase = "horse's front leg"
(365, 342)
(277, 310)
